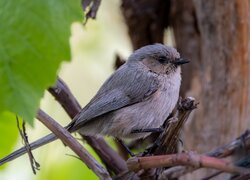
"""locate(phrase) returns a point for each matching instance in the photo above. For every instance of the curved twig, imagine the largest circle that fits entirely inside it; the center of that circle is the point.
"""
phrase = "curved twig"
(69, 103)
(188, 159)
(73, 144)
(241, 142)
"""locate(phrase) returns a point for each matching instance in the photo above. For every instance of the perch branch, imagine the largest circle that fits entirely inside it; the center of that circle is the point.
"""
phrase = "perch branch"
(167, 141)
(187, 159)
(70, 141)
(109, 157)
(244, 162)
(241, 142)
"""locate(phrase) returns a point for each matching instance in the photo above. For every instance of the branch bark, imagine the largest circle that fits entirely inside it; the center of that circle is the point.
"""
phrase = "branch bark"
(188, 159)
(109, 157)
(73, 144)
(146, 20)
(168, 140)
(241, 142)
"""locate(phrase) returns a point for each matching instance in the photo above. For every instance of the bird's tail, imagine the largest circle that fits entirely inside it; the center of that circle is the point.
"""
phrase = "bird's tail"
(40, 142)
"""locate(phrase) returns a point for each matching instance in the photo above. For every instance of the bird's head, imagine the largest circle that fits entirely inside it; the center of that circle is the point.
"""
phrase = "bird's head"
(158, 58)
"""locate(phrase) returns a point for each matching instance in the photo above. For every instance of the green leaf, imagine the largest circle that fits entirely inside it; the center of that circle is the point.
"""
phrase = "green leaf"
(8, 133)
(34, 40)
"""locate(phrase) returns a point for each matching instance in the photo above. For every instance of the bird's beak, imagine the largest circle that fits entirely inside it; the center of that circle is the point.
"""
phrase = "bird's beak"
(180, 61)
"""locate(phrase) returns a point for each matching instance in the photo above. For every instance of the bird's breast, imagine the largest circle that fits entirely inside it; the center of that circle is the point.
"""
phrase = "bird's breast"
(164, 100)
(150, 113)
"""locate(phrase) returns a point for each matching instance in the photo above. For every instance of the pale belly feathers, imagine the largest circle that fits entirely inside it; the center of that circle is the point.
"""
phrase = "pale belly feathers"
(150, 113)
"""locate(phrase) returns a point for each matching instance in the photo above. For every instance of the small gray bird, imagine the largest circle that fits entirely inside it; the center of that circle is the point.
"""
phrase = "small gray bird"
(138, 96)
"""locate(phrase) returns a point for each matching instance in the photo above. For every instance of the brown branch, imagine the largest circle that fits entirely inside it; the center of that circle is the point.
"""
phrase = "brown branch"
(241, 142)
(242, 177)
(146, 20)
(243, 162)
(168, 140)
(109, 157)
(187, 159)
(70, 141)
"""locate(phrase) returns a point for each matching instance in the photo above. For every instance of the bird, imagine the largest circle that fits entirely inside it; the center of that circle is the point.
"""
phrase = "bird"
(135, 100)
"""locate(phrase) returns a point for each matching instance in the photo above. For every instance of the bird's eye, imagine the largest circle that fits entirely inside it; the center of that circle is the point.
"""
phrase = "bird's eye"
(162, 60)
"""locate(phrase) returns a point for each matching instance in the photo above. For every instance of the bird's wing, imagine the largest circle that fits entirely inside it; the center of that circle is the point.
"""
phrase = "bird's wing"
(130, 84)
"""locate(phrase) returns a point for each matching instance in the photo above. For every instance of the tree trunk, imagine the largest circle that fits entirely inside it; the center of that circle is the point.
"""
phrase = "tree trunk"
(146, 20)
(215, 36)
(221, 80)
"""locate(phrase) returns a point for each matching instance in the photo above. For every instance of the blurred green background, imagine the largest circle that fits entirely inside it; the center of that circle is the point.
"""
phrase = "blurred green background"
(93, 53)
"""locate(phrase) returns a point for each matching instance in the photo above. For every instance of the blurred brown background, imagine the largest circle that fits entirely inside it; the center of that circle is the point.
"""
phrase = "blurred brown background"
(215, 36)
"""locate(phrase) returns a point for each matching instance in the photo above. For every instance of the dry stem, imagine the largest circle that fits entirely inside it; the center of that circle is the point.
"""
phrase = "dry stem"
(188, 159)
(109, 157)
(73, 144)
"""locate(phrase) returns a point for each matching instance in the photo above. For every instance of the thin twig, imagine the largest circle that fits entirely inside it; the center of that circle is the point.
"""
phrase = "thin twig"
(73, 144)
(187, 159)
(241, 142)
(242, 177)
(90, 8)
(74, 156)
(34, 164)
(109, 157)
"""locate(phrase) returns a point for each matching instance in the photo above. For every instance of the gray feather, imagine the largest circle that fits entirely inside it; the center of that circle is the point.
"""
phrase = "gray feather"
(130, 84)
